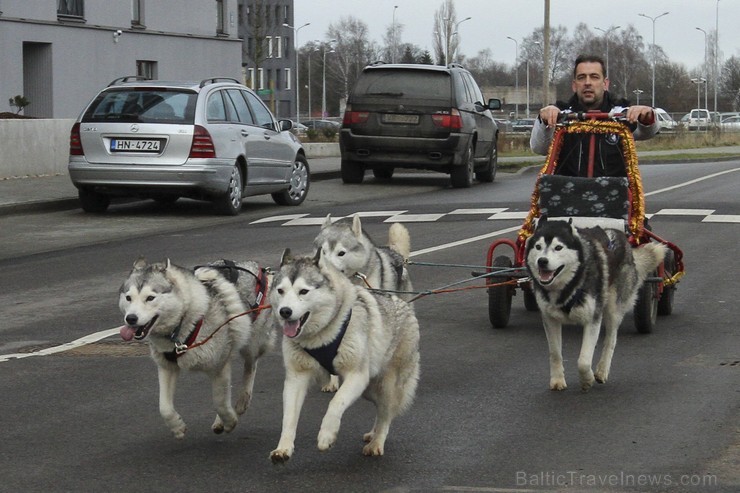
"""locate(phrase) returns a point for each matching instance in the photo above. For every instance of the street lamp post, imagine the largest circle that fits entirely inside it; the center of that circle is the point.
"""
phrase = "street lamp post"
(393, 33)
(297, 75)
(637, 93)
(310, 107)
(715, 72)
(455, 33)
(706, 68)
(323, 85)
(698, 81)
(653, 47)
(544, 75)
(607, 32)
(516, 77)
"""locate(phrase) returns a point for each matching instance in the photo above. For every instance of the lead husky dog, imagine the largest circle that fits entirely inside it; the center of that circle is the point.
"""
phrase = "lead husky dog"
(331, 326)
(187, 318)
(582, 276)
(348, 248)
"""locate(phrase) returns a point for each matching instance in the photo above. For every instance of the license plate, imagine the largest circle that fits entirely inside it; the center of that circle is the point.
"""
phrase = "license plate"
(396, 118)
(135, 145)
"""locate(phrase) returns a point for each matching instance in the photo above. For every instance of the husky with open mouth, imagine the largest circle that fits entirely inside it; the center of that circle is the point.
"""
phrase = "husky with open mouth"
(196, 320)
(582, 276)
(331, 326)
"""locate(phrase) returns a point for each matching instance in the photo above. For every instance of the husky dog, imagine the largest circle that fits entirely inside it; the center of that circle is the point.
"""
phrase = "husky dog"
(191, 321)
(331, 326)
(348, 248)
(582, 276)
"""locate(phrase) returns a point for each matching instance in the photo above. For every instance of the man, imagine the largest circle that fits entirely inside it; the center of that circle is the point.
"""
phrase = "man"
(591, 93)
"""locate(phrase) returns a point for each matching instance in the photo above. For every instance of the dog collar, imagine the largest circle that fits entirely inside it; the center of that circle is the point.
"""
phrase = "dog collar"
(181, 348)
(325, 354)
(574, 300)
(260, 291)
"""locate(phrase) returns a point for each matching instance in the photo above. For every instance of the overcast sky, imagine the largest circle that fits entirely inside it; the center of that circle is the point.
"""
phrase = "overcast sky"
(493, 20)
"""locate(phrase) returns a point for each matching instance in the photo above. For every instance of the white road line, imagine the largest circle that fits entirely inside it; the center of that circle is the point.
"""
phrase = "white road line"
(464, 241)
(82, 341)
(691, 182)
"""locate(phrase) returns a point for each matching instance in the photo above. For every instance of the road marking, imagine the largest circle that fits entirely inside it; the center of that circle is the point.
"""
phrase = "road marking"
(691, 182)
(464, 241)
(722, 218)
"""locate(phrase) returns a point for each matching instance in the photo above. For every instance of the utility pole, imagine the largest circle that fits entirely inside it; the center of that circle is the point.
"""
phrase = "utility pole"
(546, 56)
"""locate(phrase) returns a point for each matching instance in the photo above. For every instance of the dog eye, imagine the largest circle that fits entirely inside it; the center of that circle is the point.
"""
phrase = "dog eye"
(281, 291)
(150, 298)
(128, 298)
(341, 254)
(303, 292)
(558, 248)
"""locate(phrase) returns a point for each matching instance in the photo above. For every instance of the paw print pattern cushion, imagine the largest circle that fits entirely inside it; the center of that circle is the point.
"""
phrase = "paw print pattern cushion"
(604, 196)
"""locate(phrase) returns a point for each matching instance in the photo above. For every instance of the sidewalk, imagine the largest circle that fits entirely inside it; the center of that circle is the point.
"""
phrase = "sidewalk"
(46, 193)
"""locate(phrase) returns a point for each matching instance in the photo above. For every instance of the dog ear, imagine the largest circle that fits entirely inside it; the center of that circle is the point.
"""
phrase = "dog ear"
(317, 257)
(356, 226)
(327, 222)
(140, 263)
(286, 258)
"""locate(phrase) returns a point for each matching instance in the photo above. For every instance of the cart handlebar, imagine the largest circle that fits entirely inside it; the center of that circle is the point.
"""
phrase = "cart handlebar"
(571, 116)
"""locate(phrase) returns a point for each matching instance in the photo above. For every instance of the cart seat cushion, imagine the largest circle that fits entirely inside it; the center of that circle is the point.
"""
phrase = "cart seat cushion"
(568, 196)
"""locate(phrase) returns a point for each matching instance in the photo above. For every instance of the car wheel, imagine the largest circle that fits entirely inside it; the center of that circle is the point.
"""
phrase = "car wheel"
(488, 174)
(462, 175)
(383, 173)
(230, 203)
(93, 201)
(300, 180)
(352, 172)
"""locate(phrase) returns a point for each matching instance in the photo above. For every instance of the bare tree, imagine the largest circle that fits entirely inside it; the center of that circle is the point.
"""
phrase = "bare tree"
(445, 43)
(393, 47)
(353, 50)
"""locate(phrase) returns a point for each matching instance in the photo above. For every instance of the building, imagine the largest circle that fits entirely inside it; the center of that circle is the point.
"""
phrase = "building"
(268, 52)
(60, 53)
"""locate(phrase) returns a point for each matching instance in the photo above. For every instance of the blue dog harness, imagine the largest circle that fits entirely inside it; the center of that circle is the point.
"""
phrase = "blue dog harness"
(325, 354)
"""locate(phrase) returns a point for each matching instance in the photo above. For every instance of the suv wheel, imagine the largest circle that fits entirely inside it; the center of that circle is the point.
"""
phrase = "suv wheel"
(93, 201)
(352, 172)
(488, 174)
(462, 175)
(297, 189)
(231, 202)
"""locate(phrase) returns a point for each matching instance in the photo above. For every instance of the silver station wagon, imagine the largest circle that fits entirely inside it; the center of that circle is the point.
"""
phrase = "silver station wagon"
(212, 140)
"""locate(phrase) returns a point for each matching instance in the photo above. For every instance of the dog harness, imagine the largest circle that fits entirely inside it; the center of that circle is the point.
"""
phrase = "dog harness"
(574, 300)
(325, 354)
(181, 348)
(231, 272)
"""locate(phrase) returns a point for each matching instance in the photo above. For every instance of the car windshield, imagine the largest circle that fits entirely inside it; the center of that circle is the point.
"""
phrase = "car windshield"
(416, 84)
(143, 106)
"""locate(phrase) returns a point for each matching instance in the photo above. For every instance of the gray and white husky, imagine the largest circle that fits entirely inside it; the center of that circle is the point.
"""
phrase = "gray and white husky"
(354, 253)
(583, 276)
(331, 326)
(191, 322)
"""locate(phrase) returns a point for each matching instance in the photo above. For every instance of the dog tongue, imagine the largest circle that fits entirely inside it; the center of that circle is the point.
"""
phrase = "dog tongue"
(546, 275)
(290, 329)
(127, 333)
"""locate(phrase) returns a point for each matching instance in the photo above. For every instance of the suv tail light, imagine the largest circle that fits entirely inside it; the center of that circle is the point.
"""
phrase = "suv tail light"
(202, 144)
(451, 119)
(353, 117)
(75, 144)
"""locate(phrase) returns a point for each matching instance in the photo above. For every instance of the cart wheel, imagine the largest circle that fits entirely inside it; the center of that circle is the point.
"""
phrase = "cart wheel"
(665, 303)
(530, 301)
(499, 297)
(646, 307)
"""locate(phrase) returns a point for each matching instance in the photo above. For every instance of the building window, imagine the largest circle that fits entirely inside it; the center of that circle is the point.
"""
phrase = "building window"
(250, 78)
(285, 14)
(278, 46)
(146, 68)
(260, 78)
(137, 12)
(287, 79)
(220, 17)
(268, 40)
(71, 8)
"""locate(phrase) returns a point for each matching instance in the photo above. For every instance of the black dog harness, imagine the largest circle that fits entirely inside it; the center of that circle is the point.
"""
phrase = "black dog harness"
(325, 354)
(180, 348)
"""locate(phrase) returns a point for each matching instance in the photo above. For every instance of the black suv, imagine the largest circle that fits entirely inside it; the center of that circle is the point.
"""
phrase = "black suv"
(419, 116)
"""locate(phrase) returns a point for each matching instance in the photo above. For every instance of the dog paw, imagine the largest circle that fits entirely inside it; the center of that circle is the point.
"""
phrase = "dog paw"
(332, 385)
(587, 384)
(242, 404)
(558, 384)
(601, 375)
(179, 432)
(326, 440)
(280, 456)
(373, 449)
(219, 425)
(368, 437)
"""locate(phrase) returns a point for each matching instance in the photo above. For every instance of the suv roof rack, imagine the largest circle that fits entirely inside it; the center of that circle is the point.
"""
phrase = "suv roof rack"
(127, 78)
(213, 80)
(376, 63)
(455, 65)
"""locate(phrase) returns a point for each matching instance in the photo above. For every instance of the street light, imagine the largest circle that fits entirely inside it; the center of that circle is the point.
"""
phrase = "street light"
(654, 50)
(516, 76)
(606, 37)
(698, 81)
(637, 93)
(323, 87)
(393, 31)
(544, 102)
(297, 76)
(310, 107)
(706, 71)
(455, 33)
(715, 72)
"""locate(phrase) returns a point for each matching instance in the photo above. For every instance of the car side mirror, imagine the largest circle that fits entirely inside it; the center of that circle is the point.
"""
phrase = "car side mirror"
(494, 104)
(285, 125)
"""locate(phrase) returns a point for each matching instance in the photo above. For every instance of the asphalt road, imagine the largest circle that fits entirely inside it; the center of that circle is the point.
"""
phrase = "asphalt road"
(86, 419)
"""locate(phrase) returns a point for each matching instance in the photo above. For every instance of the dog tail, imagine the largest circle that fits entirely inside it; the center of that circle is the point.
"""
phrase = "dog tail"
(647, 258)
(239, 327)
(399, 239)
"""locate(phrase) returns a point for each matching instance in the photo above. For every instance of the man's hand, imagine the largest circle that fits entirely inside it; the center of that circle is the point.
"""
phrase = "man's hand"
(643, 114)
(549, 115)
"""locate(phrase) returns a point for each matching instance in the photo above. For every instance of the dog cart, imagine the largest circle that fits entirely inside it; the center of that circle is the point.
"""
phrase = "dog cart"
(609, 202)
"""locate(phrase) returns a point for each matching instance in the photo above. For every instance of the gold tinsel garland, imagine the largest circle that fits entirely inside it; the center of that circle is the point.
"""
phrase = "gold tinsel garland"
(629, 153)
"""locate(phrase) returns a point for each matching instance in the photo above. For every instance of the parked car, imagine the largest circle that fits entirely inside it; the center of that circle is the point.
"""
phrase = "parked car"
(667, 123)
(322, 124)
(699, 119)
(731, 123)
(523, 125)
(212, 140)
(419, 116)
(298, 128)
